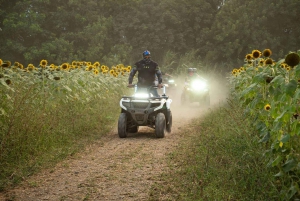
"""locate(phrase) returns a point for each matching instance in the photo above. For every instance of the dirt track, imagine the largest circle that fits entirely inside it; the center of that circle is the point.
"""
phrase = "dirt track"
(111, 169)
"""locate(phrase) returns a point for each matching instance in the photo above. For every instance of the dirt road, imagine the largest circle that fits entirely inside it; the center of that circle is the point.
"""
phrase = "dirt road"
(111, 169)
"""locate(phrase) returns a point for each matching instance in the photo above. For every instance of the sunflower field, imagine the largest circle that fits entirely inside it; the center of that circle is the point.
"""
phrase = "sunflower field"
(270, 93)
(46, 111)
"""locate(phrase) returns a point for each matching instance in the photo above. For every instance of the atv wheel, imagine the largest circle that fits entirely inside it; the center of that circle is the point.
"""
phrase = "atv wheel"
(160, 125)
(169, 125)
(122, 125)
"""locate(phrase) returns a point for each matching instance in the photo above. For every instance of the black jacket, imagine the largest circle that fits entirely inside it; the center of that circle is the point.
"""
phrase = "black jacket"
(147, 69)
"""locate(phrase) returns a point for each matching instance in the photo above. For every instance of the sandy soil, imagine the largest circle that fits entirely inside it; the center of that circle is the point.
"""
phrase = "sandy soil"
(113, 168)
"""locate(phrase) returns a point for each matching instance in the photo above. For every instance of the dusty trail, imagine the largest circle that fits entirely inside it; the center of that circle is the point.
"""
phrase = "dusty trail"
(111, 169)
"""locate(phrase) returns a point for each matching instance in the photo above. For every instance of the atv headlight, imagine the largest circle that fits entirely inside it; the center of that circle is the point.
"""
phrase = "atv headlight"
(141, 95)
(171, 81)
(199, 85)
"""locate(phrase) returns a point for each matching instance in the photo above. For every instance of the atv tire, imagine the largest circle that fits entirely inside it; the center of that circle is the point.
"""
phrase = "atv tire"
(122, 125)
(160, 125)
(169, 125)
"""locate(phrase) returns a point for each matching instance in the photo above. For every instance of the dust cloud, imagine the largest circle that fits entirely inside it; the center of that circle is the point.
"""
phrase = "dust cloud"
(218, 90)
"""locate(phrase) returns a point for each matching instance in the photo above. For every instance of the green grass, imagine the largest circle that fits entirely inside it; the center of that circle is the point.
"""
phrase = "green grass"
(46, 120)
(219, 159)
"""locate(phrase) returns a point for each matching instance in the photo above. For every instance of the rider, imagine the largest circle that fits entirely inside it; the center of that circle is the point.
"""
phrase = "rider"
(192, 74)
(147, 70)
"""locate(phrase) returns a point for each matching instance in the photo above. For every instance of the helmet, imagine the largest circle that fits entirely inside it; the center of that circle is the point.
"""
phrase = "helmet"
(146, 53)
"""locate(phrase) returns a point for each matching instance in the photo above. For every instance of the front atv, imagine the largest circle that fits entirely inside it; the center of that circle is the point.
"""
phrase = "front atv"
(142, 109)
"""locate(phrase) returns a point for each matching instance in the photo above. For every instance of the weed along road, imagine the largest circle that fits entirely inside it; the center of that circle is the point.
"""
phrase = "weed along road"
(112, 168)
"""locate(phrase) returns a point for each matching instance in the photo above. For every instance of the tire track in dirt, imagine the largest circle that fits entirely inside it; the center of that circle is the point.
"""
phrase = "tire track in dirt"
(110, 169)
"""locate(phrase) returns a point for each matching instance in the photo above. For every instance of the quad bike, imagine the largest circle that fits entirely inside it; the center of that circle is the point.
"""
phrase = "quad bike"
(143, 109)
(196, 91)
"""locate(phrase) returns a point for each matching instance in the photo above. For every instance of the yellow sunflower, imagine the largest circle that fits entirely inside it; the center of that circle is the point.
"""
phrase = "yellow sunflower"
(96, 72)
(6, 64)
(256, 54)
(97, 64)
(43, 63)
(269, 61)
(267, 53)
(288, 68)
(65, 66)
(267, 107)
(249, 56)
(111, 72)
(129, 68)
(1, 62)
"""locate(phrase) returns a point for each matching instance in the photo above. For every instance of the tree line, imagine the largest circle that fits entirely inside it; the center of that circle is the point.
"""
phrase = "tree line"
(118, 31)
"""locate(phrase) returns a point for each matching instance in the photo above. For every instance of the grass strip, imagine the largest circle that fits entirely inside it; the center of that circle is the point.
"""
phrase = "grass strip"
(219, 159)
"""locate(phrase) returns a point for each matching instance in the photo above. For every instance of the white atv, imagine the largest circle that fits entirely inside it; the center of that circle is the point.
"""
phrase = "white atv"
(143, 109)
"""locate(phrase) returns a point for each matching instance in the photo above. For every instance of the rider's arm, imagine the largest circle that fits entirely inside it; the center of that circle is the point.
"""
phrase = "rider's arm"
(158, 74)
(132, 74)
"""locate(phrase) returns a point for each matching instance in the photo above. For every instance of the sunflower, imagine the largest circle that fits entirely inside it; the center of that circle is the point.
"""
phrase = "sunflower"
(249, 56)
(129, 68)
(96, 72)
(242, 68)
(288, 68)
(6, 64)
(43, 63)
(261, 61)
(65, 66)
(256, 54)
(269, 61)
(16, 64)
(103, 68)
(292, 59)
(1, 62)
(267, 53)
(234, 72)
(90, 67)
(8, 81)
(283, 65)
(104, 72)
(21, 66)
(267, 107)
(115, 75)
(74, 63)
(111, 72)
(88, 63)
(97, 64)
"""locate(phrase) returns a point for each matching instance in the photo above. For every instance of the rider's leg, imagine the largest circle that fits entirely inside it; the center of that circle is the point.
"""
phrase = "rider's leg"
(154, 92)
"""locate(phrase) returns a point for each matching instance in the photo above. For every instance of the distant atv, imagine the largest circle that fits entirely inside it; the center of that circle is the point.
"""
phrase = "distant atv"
(196, 91)
(143, 109)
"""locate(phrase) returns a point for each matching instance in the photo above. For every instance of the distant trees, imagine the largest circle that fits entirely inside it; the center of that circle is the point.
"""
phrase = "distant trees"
(216, 31)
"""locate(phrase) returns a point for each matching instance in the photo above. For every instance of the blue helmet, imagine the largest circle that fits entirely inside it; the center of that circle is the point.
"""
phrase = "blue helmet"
(146, 53)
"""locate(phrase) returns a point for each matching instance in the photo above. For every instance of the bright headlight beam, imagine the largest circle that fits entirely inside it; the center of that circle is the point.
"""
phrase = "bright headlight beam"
(199, 85)
(141, 95)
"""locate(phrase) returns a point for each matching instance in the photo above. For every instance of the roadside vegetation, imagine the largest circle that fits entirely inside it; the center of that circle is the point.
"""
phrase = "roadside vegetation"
(220, 159)
(247, 149)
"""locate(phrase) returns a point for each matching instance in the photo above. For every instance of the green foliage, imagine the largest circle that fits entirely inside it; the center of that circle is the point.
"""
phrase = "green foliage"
(46, 115)
(270, 95)
(221, 162)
